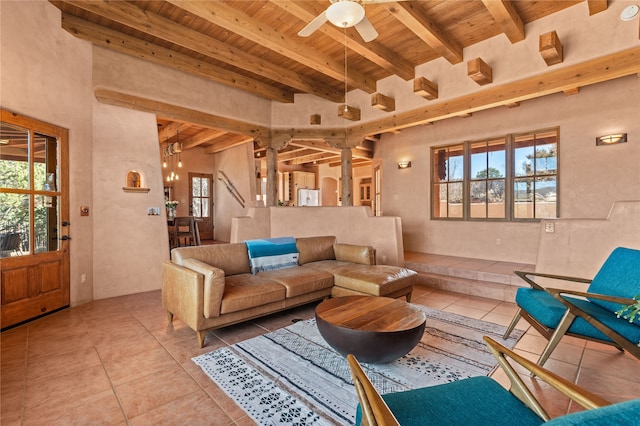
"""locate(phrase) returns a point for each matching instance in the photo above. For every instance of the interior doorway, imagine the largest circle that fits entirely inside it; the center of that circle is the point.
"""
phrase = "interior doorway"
(329, 192)
(201, 203)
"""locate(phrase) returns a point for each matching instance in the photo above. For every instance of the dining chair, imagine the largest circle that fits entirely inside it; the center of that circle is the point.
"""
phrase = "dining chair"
(184, 233)
(483, 401)
(590, 314)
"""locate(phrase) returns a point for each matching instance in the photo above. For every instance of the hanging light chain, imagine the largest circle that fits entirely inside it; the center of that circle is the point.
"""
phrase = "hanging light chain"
(346, 88)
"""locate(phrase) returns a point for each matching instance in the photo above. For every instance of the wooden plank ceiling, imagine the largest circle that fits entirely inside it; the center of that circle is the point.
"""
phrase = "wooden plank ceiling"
(254, 46)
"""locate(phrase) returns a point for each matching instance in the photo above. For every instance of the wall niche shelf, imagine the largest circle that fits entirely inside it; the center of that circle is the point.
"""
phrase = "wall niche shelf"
(133, 182)
(130, 189)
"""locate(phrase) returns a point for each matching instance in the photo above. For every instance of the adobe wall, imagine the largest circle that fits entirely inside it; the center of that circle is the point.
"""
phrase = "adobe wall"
(350, 225)
(579, 247)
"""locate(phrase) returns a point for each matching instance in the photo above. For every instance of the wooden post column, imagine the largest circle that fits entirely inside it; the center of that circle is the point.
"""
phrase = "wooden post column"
(272, 145)
(272, 177)
(346, 168)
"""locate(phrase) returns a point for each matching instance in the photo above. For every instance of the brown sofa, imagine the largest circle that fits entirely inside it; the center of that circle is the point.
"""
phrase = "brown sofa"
(212, 286)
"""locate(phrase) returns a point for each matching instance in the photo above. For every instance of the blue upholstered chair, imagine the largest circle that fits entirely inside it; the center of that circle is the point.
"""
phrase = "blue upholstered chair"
(589, 315)
(482, 401)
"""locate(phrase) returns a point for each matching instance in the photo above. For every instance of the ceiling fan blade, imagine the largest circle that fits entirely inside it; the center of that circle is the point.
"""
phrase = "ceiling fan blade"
(380, 1)
(366, 30)
(313, 25)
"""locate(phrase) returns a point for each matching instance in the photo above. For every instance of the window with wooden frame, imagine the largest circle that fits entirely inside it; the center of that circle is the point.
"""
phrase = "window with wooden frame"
(512, 177)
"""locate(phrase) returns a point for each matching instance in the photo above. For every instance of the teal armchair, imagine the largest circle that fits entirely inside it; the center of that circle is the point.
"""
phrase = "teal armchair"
(589, 314)
(482, 401)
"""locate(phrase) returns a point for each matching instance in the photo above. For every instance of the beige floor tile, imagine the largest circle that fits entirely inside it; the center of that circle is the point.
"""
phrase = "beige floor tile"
(97, 409)
(568, 353)
(506, 308)
(193, 409)
(59, 390)
(150, 392)
(45, 367)
(111, 351)
(466, 311)
(60, 344)
(142, 364)
(497, 318)
(610, 387)
(478, 303)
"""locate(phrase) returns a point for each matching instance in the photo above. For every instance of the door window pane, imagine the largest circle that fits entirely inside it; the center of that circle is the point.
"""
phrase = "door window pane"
(196, 207)
(46, 223)
(14, 224)
(14, 157)
(205, 187)
(195, 187)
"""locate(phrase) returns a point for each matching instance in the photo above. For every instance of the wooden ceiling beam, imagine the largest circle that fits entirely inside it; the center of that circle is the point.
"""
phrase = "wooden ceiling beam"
(171, 129)
(596, 6)
(354, 163)
(506, 16)
(597, 70)
(373, 51)
(262, 34)
(149, 23)
(288, 156)
(233, 141)
(325, 147)
(173, 112)
(315, 157)
(207, 135)
(424, 28)
(120, 42)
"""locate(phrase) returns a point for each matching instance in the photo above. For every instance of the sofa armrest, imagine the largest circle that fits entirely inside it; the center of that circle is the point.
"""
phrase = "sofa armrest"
(365, 255)
(183, 293)
(213, 283)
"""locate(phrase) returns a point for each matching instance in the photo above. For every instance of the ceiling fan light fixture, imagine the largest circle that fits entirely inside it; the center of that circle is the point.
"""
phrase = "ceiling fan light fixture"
(345, 13)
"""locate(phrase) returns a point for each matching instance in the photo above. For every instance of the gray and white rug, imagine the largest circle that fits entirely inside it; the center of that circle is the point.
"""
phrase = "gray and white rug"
(292, 376)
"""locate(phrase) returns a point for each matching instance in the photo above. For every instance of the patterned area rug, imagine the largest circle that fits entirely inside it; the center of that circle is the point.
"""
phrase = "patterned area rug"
(291, 376)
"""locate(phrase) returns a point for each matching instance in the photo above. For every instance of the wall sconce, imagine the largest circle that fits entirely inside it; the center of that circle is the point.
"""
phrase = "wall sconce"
(404, 164)
(611, 139)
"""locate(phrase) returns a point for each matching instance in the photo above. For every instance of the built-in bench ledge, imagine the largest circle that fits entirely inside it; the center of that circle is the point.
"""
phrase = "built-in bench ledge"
(485, 278)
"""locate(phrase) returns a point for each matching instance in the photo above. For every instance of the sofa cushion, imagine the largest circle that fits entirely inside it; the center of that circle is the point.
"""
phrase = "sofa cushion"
(365, 255)
(377, 280)
(231, 258)
(244, 291)
(299, 280)
(313, 249)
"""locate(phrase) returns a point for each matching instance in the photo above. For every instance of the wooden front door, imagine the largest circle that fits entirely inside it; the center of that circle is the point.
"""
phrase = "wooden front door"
(201, 203)
(34, 218)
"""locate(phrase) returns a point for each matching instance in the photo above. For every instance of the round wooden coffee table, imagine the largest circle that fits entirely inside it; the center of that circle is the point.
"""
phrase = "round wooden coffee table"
(373, 329)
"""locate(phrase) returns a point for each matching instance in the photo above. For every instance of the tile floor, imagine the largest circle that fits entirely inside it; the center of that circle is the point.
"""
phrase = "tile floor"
(116, 361)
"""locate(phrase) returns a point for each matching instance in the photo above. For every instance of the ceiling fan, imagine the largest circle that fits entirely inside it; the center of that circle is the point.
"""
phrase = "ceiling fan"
(345, 14)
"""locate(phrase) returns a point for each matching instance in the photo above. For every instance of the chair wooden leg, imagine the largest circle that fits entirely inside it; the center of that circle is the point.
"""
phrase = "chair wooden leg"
(170, 317)
(560, 330)
(513, 323)
(201, 335)
(408, 296)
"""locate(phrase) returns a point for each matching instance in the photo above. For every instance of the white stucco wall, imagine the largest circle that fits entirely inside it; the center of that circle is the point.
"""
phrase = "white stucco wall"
(46, 73)
(129, 244)
(591, 178)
